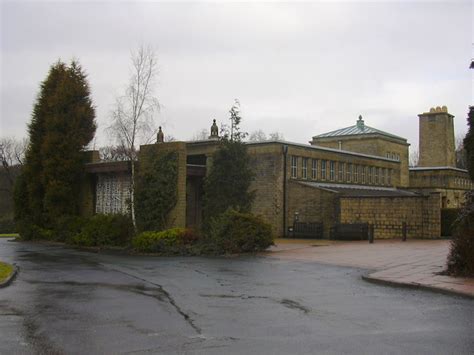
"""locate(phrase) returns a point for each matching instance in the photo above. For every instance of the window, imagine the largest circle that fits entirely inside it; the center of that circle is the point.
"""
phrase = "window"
(371, 174)
(304, 168)
(376, 176)
(363, 175)
(349, 172)
(314, 169)
(389, 177)
(382, 176)
(323, 169)
(294, 166)
(332, 168)
(356, 173)
(341, 171)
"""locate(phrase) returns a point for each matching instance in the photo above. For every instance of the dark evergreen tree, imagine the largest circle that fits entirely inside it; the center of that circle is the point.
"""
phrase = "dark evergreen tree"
(469, 143)
(228, 183)
(156, 190)
(461, 255)
(62, 124)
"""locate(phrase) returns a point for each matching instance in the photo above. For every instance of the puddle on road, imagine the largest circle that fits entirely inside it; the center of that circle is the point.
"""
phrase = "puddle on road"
(285, 302)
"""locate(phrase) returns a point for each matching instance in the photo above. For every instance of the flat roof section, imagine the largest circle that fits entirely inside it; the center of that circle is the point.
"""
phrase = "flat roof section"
(426, 168)
(360, 190)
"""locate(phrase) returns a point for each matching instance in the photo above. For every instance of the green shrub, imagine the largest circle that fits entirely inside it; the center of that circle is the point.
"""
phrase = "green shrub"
(228, 183)
(7, 225)
(67, 227)
(30, 231)
(104, 230)
(170, 241)
(448, 217)
(156, 191)
(461, 256)
(236, 232)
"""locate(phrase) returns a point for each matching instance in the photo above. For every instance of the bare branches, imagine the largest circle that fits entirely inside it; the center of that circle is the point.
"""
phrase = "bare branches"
(111, 153)
(12, 153)
(132, 117)
(413, 158)
(260, 136)
(12, 150)
(201, 135)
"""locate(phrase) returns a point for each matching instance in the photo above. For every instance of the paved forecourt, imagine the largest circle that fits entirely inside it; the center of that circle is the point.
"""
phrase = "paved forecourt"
(414, 263)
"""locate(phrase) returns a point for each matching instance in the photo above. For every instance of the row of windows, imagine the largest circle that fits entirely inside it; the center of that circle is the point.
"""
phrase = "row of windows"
(329, 170)
(394, 156)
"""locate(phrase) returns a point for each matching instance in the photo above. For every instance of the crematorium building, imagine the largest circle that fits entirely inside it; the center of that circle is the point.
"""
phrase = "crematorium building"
(356, 174)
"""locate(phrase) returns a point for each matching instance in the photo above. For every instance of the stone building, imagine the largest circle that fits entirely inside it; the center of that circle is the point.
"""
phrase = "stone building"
(351, 175)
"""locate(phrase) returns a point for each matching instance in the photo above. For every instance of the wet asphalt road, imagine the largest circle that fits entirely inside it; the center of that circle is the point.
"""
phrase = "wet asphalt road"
(71, 302)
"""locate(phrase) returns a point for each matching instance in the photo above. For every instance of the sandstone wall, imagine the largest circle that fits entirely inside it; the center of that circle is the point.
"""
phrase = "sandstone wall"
(312, 205)
(421, 213)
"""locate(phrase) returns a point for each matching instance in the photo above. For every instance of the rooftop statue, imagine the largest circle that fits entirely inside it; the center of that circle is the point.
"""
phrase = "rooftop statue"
(160, 137)
(214, 130)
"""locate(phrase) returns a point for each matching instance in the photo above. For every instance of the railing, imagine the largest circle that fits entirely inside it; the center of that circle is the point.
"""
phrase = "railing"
(310, 230)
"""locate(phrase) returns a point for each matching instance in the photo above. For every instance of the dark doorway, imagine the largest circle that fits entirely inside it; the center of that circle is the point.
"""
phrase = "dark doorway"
(194, 192)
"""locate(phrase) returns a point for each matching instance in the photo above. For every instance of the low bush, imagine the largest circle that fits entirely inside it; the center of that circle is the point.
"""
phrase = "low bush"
(66, 228)
(170, 241)
(448, 217)
(461, 256)
(30, 231)
(103, 230)
(7, 225)
(235, 232)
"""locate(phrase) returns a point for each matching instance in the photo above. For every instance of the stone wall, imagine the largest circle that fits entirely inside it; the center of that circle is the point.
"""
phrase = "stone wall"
(267, 165)
(312, 205)
(421, 213)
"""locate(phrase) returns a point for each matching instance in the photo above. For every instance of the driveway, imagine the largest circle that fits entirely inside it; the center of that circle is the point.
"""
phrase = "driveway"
(70, 302)
(415, 263)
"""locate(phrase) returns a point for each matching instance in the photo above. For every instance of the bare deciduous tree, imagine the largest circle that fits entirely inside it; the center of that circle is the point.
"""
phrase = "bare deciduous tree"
(12, 152)
(113, 153)
(132, 118)
(260, 136)
(413, 158)
(257, 136)
(276, 136)
(202, 135)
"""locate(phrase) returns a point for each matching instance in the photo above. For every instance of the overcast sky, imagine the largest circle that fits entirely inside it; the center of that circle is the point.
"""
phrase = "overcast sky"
(297, 68)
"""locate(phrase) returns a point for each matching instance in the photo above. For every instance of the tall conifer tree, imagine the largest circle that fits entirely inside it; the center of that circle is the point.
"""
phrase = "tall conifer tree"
(62, 124)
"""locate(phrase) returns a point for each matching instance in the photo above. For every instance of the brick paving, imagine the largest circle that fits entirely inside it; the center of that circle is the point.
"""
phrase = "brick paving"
(414, 263)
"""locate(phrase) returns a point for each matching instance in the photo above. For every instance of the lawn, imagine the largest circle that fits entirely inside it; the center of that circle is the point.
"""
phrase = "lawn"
(5, 271)
(9, 235)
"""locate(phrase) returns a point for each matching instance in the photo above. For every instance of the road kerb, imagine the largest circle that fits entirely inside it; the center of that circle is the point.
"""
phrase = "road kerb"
(416, 286)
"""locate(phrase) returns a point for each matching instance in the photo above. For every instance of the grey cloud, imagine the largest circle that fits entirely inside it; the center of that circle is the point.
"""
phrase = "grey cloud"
(297, 68)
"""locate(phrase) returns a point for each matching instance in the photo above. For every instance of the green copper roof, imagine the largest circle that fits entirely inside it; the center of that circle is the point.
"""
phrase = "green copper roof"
(358, 129)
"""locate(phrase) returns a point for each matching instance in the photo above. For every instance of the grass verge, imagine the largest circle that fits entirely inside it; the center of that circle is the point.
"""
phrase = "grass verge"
(9, 235)
(5, 271)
